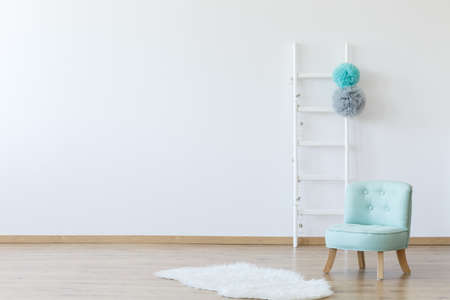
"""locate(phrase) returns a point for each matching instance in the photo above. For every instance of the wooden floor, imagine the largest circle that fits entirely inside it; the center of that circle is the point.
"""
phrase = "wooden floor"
(126, 271)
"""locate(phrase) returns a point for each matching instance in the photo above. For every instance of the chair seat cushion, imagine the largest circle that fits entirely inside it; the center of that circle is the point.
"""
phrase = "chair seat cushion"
(366, 237)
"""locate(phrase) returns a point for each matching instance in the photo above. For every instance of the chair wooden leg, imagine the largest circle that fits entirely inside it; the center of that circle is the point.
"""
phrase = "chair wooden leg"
(361, 261)
(401, 255)
(330, 261)
(380, 266)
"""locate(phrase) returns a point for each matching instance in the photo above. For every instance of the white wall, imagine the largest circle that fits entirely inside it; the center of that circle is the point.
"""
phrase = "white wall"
(173, 117)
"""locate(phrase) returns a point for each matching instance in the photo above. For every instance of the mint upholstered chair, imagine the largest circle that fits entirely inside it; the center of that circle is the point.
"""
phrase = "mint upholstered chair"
(377, 217)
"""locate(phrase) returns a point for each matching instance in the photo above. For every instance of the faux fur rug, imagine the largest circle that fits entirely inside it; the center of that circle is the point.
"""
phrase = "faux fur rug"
(242, 280)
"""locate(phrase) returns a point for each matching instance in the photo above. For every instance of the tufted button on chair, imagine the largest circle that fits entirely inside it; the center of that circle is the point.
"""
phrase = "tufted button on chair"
(377, 217)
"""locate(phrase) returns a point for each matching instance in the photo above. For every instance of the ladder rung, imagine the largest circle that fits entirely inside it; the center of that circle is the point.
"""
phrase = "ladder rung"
(322, 212)
(318, 144)
(315, 76)
(318, 178)
(315, 109)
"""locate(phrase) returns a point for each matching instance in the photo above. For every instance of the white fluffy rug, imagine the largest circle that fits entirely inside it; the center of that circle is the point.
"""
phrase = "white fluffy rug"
(242, 280)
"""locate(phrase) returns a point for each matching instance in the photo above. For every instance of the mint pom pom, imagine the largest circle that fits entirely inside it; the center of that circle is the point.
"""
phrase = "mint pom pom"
(346, 74)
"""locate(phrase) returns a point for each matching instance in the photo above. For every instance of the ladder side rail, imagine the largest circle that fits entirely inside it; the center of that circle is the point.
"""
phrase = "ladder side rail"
(346, 131)
(294, 148)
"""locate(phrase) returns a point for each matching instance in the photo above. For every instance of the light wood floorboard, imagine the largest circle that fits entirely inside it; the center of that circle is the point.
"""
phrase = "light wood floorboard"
(126, 271)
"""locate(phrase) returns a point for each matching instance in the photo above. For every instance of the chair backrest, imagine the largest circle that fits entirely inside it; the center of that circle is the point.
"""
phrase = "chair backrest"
(378, 203)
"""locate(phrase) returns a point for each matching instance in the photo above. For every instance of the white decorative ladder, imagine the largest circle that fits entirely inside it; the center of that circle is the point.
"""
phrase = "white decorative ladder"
(296, 162)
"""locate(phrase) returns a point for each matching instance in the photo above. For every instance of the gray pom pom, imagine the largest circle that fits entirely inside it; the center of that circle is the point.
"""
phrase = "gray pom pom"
(349, 101)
